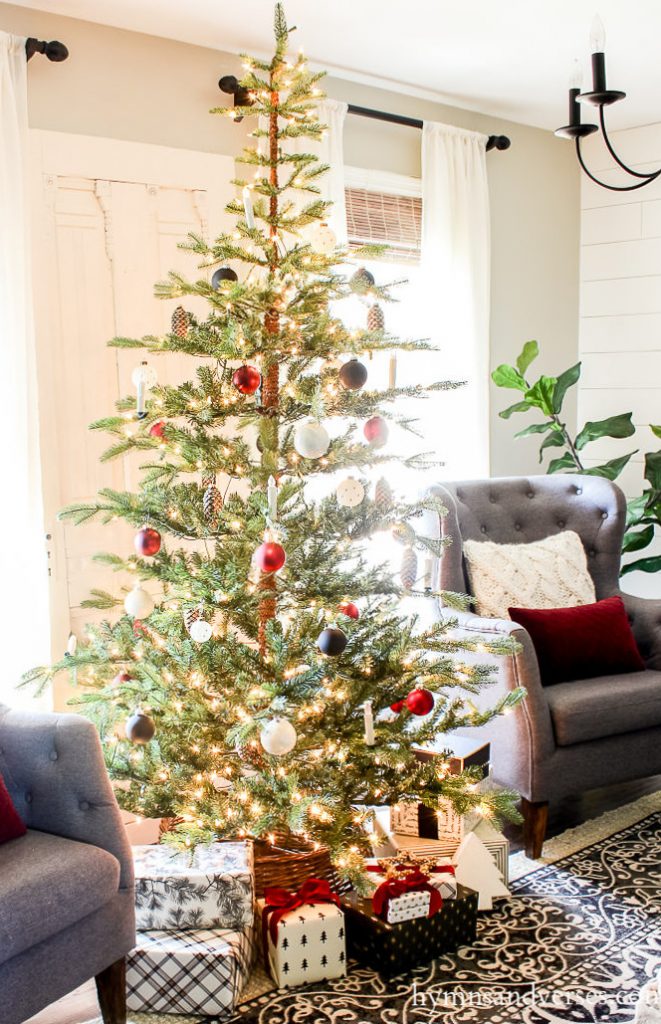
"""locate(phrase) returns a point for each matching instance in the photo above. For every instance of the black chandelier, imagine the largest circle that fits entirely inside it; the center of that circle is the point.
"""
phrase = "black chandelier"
(599, 97)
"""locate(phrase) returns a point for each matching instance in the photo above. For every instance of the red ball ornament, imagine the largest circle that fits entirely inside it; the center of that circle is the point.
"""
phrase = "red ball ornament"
(270, 556)
(349, 609)
(157, 429)
(147, 541)
(419, 701)
(376, 431)
(247, 380)
(121, 678)
(397, 706)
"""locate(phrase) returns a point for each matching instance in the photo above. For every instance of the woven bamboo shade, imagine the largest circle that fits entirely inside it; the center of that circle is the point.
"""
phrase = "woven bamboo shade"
(385, 218)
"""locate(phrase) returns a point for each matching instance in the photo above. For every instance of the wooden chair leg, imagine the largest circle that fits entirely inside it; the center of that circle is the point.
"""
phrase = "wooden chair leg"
(535, 818)
(111, 990)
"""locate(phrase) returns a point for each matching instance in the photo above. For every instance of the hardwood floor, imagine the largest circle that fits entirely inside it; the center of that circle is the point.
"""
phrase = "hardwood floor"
(81, 1006)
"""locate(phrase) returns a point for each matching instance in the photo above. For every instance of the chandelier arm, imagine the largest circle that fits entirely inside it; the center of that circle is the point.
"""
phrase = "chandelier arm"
(613, 188)
(621, 163)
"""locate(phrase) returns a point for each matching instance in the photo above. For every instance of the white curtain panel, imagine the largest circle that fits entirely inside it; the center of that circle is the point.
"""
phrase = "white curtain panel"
(24, 619)
(456, 272)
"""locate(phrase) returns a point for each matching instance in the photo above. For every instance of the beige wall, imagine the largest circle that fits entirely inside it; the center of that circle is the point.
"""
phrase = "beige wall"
(126, 85)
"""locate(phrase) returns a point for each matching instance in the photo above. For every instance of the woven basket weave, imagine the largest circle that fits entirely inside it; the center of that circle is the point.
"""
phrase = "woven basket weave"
(289, 861)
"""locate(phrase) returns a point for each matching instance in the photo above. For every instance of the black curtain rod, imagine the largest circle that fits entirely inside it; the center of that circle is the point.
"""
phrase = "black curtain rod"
(493, 142)
(54, 51)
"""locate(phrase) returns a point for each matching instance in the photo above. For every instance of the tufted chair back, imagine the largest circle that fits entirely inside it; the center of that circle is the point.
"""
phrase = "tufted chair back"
(517, 510)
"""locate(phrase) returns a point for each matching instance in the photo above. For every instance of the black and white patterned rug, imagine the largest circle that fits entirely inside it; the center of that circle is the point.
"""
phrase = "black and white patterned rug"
(574, 945)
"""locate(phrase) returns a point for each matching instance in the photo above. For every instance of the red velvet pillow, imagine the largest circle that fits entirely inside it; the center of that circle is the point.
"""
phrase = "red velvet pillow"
(582, 642)
(11, 826)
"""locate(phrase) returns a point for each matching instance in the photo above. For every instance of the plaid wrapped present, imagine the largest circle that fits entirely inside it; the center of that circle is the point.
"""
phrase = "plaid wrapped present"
(211, 887)
(190, 972)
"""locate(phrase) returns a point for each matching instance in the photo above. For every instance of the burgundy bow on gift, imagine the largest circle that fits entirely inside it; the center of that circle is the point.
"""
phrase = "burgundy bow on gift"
(415, 881)
(280, 901)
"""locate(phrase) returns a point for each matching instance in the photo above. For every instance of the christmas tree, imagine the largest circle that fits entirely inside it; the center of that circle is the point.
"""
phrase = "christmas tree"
(246, 690)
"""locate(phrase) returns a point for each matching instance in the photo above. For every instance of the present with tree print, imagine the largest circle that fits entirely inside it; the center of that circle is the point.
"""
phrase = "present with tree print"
(303, 934)
(210, 887)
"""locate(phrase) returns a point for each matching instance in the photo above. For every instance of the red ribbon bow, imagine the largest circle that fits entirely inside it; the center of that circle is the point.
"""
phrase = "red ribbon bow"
(280, 901)
(416, 881)
(445, 868)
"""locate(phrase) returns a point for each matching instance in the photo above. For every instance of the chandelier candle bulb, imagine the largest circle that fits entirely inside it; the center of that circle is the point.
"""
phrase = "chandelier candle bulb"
(369, 723)
(247, 206)
(392, 370)
(272, 496)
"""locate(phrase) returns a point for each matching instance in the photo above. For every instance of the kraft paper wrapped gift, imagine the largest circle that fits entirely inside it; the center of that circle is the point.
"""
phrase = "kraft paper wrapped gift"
(209, 888)
(190, 972)
(392, 949)
(305, 941)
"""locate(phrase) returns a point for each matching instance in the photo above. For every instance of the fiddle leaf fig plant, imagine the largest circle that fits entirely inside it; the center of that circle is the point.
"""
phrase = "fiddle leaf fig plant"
(546, 395)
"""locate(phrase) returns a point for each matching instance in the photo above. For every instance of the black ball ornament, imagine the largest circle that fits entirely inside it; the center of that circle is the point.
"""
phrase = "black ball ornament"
(223, 274)
(353, 375)
(332, 641)
(140, 728)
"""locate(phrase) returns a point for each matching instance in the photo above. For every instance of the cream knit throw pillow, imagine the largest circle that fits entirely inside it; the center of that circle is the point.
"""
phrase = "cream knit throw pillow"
(549, 573)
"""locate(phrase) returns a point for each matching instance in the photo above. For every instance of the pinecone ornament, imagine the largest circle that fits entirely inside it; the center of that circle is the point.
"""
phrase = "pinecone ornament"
(212, 503)
(383, 495)
(376, 321)
(180, 322)
(408, 572)
(191, 615)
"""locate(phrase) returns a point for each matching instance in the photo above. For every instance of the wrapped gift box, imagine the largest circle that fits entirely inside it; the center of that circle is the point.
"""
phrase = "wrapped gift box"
(209, 888)
(414, 819)
(390, 844)
(463, 753)
(190, 972)
(310, 945)
(394, 948)
(438, 871)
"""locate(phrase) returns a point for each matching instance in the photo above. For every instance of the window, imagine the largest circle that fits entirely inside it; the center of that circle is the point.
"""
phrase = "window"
(385, 218)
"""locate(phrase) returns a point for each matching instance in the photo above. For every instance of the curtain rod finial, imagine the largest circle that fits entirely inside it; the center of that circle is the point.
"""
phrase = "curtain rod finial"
(54, 51)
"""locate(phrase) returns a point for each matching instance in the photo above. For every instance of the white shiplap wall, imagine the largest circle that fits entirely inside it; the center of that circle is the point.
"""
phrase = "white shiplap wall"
(620, 307)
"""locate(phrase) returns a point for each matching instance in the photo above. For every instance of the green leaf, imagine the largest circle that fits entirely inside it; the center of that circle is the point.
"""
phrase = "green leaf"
(636, 540)
(559, 465)
(517, 407)
(653, 469)
(652, 564)
(529, 353)
(554, 440)
(534, 428)
(636, 509)
(611, 469)
(613, 426)
(505, 376)
(541, 394)
(656, 430)
(564, 382)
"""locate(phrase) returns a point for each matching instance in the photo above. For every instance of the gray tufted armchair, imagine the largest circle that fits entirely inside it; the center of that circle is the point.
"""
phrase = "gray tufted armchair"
(574, 736)
(66, 888)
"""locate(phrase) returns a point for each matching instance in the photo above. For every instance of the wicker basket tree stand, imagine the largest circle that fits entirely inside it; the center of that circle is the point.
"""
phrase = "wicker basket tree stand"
(289, 860)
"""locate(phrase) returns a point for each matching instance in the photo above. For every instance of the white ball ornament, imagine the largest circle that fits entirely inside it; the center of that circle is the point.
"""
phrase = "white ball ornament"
(311, 440)
(138, 603)
(350, 492)
(322, 239)
(200, 631)
(278, 737)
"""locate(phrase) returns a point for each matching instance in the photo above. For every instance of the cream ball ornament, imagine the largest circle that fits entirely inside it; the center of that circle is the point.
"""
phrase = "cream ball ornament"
(278, 737)
(200, 631)
(350, 492)
(311, 440)
(322, 238)
(138, 603)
